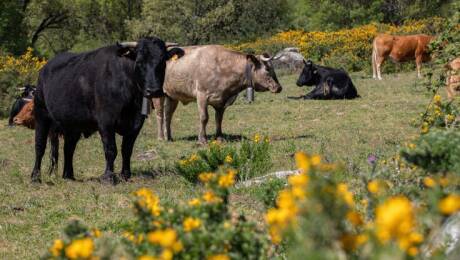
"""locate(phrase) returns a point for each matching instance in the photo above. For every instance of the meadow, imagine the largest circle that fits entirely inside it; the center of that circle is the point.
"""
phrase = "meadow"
(346, 131)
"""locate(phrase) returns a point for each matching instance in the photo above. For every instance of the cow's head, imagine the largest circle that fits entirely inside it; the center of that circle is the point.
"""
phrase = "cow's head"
(309, 74)
(26, 96)
(25, 117)
(263, 74)
(150, 55)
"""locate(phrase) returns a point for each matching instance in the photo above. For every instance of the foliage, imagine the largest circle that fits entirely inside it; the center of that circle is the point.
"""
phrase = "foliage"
(209, 21)
(335, 14)
(437, 151)
(251, 159)
(380, 225)
(348, 48)
(15, 72)
(202, 228)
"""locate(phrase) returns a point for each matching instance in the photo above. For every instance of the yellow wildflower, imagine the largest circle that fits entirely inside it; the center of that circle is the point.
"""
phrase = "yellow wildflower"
(80, 248)
(147, 257)
(194, 202)
(227, 180)
(218, 257)
(437, 99)
(210, 197)
(303, 162)
(228, 159)
(429, 182)
(373, 186)
(315, 160)
(194, 157)
(257, 138)
(167, 254)
(411, 146)
(394, 219)
(57, 247)
(191, 224)
(206, 177)
(355, 218)
(166, 238)
(345, 194)
(149, 201)
(450, 204)
(96, 232)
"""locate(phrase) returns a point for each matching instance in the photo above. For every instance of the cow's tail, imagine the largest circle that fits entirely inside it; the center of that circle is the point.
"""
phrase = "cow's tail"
(54, 151)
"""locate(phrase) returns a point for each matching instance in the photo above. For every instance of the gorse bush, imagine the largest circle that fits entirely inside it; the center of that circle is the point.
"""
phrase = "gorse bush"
(251, 159)
(16, 72)
(348, 48)
(436, 152)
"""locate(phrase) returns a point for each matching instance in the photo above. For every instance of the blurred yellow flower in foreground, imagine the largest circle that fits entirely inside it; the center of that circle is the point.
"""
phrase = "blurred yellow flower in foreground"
(345, 194)
(191, 224)
(429, 182)
(219, 257)
(228, 179)
(80, 249)
(57, 247)
(450, 204)
(166, 238)
(373, 186)
(194, 202)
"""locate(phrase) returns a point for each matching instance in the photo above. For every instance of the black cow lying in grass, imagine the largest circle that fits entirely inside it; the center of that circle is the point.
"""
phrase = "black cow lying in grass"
(329, 83)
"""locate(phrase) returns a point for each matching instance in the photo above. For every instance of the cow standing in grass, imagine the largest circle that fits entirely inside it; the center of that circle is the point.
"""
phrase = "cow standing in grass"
(400, 49)
(212, 76)
(100, 90)
(329, 83)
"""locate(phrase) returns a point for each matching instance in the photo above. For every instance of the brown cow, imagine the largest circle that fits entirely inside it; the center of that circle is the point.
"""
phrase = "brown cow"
(25, 117)
(212, 76)
(399, 49)
(453, 79)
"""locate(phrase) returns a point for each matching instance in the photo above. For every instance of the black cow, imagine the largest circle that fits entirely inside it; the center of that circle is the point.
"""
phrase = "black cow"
(329, 83)
(26, 96)
(100, 90)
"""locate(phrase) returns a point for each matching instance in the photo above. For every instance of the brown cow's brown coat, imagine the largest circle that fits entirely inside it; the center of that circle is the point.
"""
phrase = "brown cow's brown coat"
(453, 79)
(399, 49)
(25, 117)
(210, 75)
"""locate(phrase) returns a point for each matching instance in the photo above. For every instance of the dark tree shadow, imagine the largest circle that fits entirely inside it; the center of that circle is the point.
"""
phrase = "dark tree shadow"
(285, 138)
(227, 138)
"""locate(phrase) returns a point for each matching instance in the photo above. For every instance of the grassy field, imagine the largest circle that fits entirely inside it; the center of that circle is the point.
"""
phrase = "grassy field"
(32, 215)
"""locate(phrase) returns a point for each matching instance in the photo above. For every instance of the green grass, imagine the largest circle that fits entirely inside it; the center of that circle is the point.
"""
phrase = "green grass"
(32, 215)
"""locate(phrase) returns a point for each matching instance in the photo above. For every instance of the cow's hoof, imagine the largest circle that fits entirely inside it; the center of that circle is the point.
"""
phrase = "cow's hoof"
(306, 97)
(125, 175)
(70, 178)
(220, 139)
(109, 178)
(36, 180)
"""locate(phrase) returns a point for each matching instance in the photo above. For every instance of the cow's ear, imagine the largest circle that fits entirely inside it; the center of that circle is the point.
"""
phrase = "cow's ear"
(128, 52)
(253, 59)
(175, 53)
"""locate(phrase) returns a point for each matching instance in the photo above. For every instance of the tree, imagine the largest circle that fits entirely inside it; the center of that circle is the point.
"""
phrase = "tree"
(206, 21)
(13, 36)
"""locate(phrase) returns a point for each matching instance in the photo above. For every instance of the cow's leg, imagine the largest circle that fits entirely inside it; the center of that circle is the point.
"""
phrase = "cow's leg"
(374, 68)
(41, 135)
(169, 106)
(317, 93)
(126, 152)
(204, 117)
(70, 143)
(110, 151)
(219, 117)
(378, 65)
(418, 62)
(158, 104)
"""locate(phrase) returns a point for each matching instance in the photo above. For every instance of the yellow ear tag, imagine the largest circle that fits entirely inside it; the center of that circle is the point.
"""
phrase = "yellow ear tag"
(175, 57)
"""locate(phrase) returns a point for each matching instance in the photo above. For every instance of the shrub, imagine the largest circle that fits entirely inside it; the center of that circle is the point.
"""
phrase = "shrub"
(437, 151)
(251, 159)
(348, 48)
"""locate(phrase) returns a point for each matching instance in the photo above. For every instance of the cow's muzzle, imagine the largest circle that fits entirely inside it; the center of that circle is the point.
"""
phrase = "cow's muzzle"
(276, 89)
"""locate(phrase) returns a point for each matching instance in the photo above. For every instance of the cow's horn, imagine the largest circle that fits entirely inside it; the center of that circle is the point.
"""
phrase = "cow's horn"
(278, 56)
(263, 58)
(129, 44)
(171, 44)
(23, 88)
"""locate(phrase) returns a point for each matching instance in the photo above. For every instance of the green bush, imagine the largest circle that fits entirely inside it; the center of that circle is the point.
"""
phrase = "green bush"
(251, 159)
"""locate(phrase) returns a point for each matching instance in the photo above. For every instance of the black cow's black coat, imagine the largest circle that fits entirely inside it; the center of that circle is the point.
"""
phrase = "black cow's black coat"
(101, 90)
(26, 96)
(329, 83)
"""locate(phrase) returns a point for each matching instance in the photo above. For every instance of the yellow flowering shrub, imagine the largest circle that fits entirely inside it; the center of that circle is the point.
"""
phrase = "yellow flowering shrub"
(348, 48)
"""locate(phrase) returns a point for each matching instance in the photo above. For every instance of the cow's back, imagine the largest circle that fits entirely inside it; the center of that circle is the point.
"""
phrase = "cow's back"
(76, 87)
(407, 47)
(207, 68)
